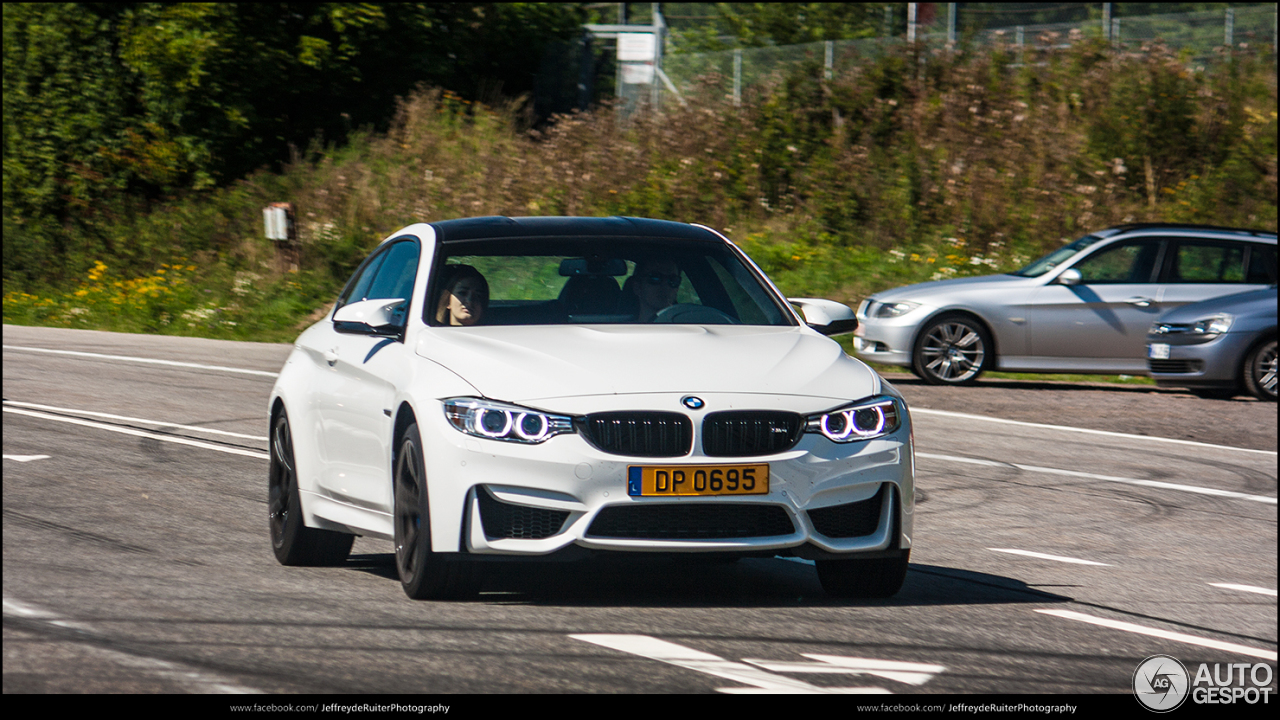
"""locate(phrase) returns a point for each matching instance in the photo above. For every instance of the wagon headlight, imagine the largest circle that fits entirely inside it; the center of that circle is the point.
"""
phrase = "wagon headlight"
(894, 309)
(501, 421)
(860, 421)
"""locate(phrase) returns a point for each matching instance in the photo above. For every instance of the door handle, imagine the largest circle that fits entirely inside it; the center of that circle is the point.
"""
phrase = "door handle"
(331, 357)
(1139, 301)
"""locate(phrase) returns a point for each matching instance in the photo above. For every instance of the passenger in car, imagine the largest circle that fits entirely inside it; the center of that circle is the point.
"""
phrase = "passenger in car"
(464, 296)
(654, 284)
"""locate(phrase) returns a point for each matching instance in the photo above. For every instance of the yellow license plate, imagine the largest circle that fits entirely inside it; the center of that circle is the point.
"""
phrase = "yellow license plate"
(673, 480)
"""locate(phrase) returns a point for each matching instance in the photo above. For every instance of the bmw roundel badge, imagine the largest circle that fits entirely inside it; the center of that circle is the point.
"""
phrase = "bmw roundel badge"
(691, 402)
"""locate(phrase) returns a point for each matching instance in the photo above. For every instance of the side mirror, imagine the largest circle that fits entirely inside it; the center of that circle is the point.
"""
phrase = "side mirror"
(1070, 276)
(384, 316)
(826, 316)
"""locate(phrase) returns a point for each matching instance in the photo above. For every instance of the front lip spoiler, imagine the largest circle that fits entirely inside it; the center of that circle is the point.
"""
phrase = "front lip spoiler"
(800, 543)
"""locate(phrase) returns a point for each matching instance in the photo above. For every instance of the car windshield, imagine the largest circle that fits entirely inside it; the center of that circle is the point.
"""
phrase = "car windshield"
(609, 280)
(1056, 258)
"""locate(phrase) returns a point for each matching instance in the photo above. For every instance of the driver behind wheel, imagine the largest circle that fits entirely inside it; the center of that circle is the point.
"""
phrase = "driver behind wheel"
(654, 283)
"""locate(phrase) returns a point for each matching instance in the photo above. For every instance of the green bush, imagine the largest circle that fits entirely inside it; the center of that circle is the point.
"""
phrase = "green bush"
(905, 168)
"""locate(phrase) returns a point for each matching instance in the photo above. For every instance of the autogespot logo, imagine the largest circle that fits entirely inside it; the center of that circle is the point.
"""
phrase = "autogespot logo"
(1161, 683)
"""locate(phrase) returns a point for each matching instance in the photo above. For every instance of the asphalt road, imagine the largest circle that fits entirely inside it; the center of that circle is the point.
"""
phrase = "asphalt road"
(1056, 548)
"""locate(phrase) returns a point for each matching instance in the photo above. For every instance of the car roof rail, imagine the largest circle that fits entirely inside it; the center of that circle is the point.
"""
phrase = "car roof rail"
(1128, 227)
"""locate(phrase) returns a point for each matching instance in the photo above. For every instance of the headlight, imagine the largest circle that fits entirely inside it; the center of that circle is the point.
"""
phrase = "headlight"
(500, 421)
(892, 310)
(1215, 325)
(861, 421)
(1208, 327)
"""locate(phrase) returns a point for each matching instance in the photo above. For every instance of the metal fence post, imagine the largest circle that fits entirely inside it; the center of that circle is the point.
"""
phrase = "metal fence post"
(737, 76)
(830, 60)
(1228, 35)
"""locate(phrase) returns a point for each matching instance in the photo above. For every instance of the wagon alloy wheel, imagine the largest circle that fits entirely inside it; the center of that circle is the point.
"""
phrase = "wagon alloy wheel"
(423, 573)
(952, 350)
(1260, 371)
(292, 541)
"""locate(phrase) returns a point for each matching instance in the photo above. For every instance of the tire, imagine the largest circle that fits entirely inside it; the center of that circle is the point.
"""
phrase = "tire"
(292, 541)
(871, 578)
(952, 350)
(1260, 371)
(423, 574)
(880, 577)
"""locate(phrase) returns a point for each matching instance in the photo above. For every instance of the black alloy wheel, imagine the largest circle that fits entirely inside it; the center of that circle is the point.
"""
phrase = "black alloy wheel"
(952, 350)
(423, 574)
(292, 541)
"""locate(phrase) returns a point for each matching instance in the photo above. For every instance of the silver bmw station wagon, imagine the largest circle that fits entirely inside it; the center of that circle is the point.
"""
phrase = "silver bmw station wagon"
(1084, 308)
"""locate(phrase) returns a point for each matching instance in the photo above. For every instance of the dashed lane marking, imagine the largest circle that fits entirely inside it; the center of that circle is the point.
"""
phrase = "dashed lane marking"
(1164, 634)
(1044, 556)
(1245, 588)
(1105, 478)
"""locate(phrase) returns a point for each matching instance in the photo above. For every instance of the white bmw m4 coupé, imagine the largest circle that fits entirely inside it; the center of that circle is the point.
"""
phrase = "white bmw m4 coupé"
(530, 388)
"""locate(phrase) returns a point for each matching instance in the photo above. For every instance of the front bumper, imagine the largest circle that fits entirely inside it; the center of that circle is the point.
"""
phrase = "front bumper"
(887, 341)
(1189, 361)
(496, 498)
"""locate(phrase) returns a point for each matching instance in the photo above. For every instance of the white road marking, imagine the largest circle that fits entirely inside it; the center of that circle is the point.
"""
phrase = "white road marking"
(1106, 478)
(1164, 634)
(151, 361)
(141, 433)
(903, 672)
(915, 410)
(1127, 436)
(679, 655)
(198, 681)
(145, 421)
(1245, 588)
(26, 458)
(1043, 556)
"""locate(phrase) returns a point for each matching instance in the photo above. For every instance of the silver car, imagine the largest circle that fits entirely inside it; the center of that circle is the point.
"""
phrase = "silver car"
(1084, 308)
(1219, 347)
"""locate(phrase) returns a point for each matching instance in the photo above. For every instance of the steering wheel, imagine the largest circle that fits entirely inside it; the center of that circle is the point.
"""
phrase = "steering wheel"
(690, 314)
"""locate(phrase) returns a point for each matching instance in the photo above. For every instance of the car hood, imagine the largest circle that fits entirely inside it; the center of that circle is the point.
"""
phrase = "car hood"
(1253, 303)
(922, 292)
(529, 363)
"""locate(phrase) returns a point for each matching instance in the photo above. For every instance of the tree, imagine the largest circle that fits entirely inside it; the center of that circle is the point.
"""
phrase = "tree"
(108, 107)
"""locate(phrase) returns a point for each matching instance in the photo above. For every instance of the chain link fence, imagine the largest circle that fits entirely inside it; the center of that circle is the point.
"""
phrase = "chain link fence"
(733, 72)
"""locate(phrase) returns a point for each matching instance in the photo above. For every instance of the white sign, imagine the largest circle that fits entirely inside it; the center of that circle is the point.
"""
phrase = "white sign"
(276, 222)
(637, 47)
(637, 74)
